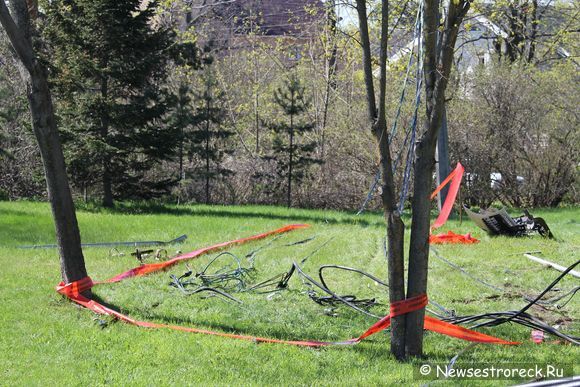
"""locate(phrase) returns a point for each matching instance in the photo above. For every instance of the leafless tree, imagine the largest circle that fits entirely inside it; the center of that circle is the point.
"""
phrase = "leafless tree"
(438, 47)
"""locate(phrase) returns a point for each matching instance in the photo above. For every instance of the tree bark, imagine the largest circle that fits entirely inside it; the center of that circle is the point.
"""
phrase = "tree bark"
(291, 158)
(534, 32)
(331, 15)
(437, 63)
(68, 237)
(107, 178)
(443, 166)
(207, 123)
(395, 226)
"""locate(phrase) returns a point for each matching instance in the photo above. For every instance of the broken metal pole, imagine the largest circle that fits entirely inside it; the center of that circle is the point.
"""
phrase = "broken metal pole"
(114, 244)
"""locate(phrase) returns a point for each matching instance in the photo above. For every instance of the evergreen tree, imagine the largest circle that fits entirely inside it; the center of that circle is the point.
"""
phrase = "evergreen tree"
(108, 65)
(291, 154)
(208, 139)
(181, 119)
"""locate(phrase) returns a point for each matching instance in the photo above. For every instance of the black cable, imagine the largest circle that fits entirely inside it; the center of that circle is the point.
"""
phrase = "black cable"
(347, 269)
(554, 283)
(331, 293)
(520, 316)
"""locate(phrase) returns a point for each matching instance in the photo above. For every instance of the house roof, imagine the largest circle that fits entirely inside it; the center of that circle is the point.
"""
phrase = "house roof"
(272, 17)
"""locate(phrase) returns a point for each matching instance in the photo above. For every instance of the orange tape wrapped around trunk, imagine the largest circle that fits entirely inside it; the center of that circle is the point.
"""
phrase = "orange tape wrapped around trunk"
(74, 291)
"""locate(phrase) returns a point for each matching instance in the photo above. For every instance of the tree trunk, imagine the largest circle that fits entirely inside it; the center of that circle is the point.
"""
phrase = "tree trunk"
(419, 246)
(534, 32)
(443, 166)
(257, 119)
(207, 198)
(290, 160)
(107, 186)
(67, 231)
(181, 139)
(395, 226)
(107, 178)
(330, 72)
(438, 49)
(68, 238)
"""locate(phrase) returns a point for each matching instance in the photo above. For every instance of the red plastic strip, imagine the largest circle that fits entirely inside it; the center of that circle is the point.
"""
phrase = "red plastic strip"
(75, 289)
(455, 178)
(452, 238)
(155, 267)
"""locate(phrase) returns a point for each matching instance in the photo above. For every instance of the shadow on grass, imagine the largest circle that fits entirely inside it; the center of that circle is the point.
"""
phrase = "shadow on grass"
(296, 215)
(373, 347)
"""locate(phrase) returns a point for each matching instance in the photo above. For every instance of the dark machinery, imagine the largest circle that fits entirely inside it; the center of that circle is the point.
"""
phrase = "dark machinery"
(499, 222)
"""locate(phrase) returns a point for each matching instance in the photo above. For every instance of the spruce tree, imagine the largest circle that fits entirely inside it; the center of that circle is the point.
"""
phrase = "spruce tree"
(208, 139)
(292, 154)
(108, 65)
(181, 119)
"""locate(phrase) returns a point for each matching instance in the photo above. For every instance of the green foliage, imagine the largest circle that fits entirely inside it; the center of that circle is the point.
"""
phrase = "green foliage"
(207, 142)
(47, 338)
(108, 64)
(291, 153)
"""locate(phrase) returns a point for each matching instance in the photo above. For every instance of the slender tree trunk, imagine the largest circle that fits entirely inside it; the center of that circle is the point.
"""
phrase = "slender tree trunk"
(330, 73)
(181, 154)
(534, 32)
(443, 167)
(181, 113)
(207, 198)
(395, 226)
(68, 238)
(290, 160)
(438, 59)
(257, 120)
(107, 177)
(107, 186)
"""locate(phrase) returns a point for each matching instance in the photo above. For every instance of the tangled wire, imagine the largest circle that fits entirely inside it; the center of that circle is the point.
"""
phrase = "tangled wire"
(235, 278)
(520, 316)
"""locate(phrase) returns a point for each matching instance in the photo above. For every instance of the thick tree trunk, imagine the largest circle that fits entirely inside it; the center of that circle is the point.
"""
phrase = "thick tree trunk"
(419, 245)
(67, 231)
(44, 125)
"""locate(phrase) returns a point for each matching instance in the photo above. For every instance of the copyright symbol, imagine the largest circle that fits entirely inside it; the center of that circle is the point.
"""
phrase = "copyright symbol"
(425, 369)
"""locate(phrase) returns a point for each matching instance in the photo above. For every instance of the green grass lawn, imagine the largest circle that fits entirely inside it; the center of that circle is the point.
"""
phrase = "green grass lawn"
(45, 339)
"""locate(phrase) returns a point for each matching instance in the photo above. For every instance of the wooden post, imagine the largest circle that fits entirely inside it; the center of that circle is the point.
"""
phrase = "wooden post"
(442, 159)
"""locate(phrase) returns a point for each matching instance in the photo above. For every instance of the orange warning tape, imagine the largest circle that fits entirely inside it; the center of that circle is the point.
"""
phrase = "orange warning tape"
(451, 237)
(74, 291)
(455, 178)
